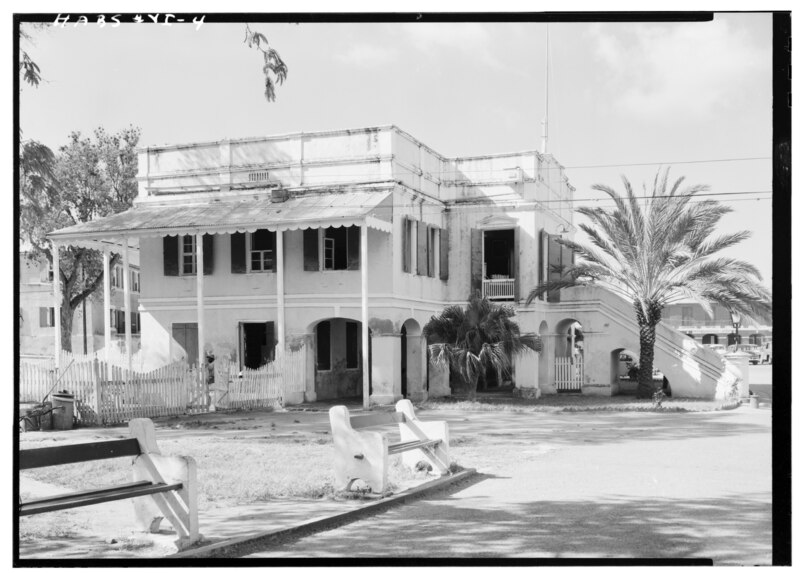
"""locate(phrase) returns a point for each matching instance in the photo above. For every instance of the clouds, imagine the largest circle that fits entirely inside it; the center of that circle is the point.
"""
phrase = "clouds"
(691, 70)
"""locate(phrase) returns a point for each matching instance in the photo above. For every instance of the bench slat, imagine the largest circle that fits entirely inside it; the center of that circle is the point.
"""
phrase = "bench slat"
(85, 498)
(416, 444)
(376, 420)
(74, 453)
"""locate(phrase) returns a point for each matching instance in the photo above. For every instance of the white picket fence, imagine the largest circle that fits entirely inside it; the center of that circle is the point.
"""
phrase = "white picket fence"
(267, 386)
(109, 393)
(569, 372)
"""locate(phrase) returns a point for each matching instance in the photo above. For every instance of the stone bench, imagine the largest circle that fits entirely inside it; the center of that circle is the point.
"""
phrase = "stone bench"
(364, 454)
(166, 484)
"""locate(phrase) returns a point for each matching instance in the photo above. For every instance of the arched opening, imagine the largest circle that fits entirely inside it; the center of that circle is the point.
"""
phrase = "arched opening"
(710, 339)
(338, 359)
(413, 361)
(569, 363)
(623, 369)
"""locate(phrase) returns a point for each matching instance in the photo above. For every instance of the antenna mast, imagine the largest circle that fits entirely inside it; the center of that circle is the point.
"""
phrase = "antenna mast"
(546, 89)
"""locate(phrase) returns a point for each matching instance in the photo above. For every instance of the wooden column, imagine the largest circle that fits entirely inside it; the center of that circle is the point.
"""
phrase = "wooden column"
(201, 322)
(281, 299)
(107, 301)
(126, 289)
(56, 306)
(365, 368)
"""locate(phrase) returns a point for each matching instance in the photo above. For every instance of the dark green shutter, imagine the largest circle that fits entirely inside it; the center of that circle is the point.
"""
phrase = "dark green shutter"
(43, 315)
(476, 259)
(431, 251)
(271, 341)
(171, 256)
(208, 254)
(406, 235)
(353, 244)
(422, 248)
(444, 254)
(238, 253)
(311, 250)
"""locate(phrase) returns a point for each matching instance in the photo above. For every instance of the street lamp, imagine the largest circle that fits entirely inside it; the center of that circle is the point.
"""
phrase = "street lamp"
(736, 320)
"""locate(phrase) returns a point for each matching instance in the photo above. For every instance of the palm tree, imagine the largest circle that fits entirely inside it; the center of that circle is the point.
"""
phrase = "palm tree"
(474, 339)
(658, 250)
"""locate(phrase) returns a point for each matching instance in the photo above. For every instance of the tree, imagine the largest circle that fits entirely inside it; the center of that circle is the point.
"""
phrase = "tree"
(86, 180)
(660, 250)
(274, 69)
(476, 339)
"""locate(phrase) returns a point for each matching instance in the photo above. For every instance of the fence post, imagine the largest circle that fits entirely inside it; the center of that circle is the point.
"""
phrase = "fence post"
(96, 379)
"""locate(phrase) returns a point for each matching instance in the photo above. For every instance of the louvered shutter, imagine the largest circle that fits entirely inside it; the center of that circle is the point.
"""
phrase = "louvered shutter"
(208, 254)
(444, 254)
(422, 248)
(238, 253)
(476, 259)
(170, 256)
(311, 250)
(406, 243)
(353, 245)
(515, 270)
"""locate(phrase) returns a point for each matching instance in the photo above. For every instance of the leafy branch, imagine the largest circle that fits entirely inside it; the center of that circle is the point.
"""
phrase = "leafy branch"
(275, 70)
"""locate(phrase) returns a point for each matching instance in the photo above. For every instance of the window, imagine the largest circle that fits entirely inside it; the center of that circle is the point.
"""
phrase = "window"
(332, 249)
(135, 325)
(433, 251)
(134, 281)
(351, 341)
(262, 250)
(409, 245)
(46, 275)
(119, 320)
(188, 258)
(180, 255)
(47, 316)
(324, 345)
(113, 314)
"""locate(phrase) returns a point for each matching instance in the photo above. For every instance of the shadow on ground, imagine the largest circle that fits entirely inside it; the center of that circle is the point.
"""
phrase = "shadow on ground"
(730, 529)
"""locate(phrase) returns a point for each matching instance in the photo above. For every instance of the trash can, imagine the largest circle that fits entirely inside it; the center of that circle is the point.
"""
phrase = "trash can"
(45, 415)
(63, 410)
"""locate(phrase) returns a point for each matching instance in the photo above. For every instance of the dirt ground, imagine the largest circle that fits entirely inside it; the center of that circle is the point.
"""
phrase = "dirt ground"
(652, 471)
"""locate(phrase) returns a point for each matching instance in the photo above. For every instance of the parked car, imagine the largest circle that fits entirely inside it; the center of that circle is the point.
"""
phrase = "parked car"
(751, 349)
(718, 348)
(766, 353)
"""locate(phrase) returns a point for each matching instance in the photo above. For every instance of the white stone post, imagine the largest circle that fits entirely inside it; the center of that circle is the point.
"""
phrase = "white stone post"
(386, 387)
(365, 363)
(201, 322)
(126, 288)
(56, 306)
(107, 301)
(281, 298)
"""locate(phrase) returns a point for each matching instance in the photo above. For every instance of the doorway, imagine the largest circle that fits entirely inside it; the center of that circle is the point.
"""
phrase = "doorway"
(257, 343)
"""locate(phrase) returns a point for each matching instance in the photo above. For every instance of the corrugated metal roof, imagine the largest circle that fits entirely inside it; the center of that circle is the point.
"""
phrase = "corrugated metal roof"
(373, 208)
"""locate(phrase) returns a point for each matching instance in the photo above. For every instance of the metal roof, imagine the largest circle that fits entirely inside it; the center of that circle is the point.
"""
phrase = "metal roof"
(373, 208)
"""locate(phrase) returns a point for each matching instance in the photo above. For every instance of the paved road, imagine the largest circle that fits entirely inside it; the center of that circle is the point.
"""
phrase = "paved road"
(593, 485)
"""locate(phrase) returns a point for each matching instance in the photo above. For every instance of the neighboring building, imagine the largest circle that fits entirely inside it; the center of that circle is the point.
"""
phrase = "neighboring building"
(692, 320)
(252, 246)
(37, 310)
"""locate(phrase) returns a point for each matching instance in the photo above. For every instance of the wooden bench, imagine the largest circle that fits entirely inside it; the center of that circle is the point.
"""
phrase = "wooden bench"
(165, 486)
(364, 454)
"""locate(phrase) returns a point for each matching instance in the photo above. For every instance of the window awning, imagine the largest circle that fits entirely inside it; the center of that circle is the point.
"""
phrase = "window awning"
(371, 208)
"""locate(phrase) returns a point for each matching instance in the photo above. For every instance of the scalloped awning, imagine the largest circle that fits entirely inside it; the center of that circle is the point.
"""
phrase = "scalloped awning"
(371, 208)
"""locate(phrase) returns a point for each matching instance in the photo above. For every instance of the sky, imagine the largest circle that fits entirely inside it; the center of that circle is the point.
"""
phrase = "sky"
(624, 99)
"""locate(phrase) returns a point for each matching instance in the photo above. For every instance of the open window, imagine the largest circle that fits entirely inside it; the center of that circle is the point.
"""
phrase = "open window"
(332, 249)
(495, 259)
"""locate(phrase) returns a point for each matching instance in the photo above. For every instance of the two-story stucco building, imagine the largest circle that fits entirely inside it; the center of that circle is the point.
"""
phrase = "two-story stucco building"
(255, 246)
(37, 309)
